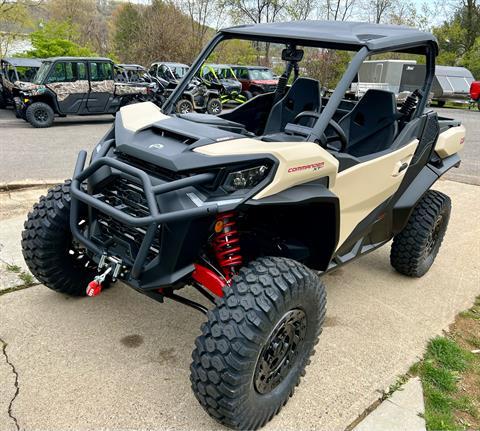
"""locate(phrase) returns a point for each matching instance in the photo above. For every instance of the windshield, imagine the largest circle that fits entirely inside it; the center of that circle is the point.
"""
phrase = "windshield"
(26, 73)
(261, 74)
(42, 72)
(226, 73)
(178, 71)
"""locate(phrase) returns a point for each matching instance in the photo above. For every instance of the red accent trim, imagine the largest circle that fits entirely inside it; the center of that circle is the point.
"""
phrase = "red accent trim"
(209, 279)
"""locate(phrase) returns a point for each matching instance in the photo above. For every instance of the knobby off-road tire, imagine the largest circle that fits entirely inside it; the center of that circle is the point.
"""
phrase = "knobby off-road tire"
(184, 106)
(214, 106)
(40, 115)
(414, 249)
(271, 316)
(48, 248)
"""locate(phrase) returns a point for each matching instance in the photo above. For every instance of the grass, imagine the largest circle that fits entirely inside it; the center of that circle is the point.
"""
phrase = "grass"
(450, 375)
(26, 277)
(13, 268)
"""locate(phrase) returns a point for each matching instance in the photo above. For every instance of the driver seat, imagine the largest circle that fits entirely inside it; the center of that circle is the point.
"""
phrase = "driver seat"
(304, 95)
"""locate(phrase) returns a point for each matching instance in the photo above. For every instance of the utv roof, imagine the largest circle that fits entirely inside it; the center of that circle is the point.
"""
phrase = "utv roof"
(351, 36)
(78, 59)
(23, 62)
(250, 67)
(131, 66)
(170, 64)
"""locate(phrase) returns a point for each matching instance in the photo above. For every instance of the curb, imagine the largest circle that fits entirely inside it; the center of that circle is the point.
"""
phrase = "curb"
(27, 184)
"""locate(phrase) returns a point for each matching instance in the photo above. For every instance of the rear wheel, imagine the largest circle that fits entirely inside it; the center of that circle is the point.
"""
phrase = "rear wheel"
(257, 342)
(214, 106)
(441, 103)
(40, 115)
(414, 249)
(48, 247)
(184, 106)
(3, 102)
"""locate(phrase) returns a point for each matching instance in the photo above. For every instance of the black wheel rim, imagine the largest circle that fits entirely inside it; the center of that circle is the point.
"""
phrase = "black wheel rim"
(434, 235)
(280, 351)
(41, 115)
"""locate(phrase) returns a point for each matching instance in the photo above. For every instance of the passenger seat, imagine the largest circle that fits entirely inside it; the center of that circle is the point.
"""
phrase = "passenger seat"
(371, 125)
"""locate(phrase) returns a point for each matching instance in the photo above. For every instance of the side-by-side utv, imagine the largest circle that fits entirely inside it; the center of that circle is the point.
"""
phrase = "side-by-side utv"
(77, 86)
(253, 206)
(16, 74)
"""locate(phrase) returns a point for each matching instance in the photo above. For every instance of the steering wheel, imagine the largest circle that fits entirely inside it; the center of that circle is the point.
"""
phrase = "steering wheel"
(324, 141)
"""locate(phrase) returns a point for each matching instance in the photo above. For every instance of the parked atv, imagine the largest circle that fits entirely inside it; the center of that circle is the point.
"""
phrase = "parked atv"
(15, 74)
(222, 78)
(76, 86)
(200, 97)
(252, 207)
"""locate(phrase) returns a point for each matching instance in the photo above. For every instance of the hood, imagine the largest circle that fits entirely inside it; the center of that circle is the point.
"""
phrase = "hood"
(265, 81)
(232, 84)
(144, 133)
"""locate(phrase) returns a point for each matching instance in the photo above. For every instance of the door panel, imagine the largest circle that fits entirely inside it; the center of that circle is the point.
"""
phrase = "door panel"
(68, 80)
(365, 186)
(102, 86)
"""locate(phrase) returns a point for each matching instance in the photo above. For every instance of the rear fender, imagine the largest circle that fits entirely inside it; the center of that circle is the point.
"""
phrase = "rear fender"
(417, 188)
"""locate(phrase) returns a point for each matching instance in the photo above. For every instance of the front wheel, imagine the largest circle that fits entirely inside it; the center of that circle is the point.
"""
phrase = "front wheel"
(48, 247)
(414, 249)
(214, 106)
(257, 342)
(184, 106)
(40, 115)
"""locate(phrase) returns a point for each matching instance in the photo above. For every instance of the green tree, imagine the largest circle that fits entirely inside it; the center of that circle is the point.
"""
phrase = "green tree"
(471, 59)
(127, 24)
(52, 39)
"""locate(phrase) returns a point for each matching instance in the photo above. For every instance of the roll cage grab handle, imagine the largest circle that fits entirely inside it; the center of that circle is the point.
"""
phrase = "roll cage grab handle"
(336, 97)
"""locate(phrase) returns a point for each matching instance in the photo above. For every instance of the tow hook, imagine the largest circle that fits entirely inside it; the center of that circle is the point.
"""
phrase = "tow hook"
(113, 265)
(94, 288)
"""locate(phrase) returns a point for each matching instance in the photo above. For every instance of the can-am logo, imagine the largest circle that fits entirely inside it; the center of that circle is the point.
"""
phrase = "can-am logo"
(313, 166)
(157, 146)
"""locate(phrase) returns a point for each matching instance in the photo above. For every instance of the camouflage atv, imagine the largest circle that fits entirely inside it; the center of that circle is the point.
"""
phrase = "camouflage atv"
(15, 74)
(76, 86)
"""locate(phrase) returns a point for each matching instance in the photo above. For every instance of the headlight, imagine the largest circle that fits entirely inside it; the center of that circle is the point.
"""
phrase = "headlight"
(245, 179)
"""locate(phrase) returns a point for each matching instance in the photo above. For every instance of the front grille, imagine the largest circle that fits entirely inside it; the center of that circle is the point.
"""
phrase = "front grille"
(150, 168)
(129, 198)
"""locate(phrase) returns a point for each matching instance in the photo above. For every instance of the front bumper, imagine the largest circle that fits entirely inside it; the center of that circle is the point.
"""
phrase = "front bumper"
(143, 273)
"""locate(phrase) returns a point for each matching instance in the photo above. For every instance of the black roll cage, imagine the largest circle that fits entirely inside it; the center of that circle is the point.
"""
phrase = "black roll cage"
(342, 86)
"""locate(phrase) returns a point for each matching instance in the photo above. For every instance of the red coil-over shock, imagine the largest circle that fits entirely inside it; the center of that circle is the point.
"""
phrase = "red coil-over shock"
(226, 244)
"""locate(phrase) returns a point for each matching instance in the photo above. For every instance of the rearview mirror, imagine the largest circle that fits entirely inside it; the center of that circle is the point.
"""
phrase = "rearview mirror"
(292, 54)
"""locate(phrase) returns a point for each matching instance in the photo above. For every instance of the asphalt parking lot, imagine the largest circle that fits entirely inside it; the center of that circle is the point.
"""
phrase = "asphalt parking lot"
(50, 154)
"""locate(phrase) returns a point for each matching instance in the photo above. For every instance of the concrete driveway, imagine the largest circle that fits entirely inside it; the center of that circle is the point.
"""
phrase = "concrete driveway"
(120, 361)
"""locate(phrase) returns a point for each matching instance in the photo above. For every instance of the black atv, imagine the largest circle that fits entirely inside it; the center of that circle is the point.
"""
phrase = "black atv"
(253, 206)
(76, 86)
(15, 74)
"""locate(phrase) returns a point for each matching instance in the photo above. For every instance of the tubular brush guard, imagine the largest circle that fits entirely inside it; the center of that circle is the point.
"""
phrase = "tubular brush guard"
(150, 222)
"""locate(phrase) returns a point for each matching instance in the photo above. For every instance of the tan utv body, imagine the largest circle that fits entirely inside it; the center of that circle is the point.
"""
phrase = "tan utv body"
(251, 207)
